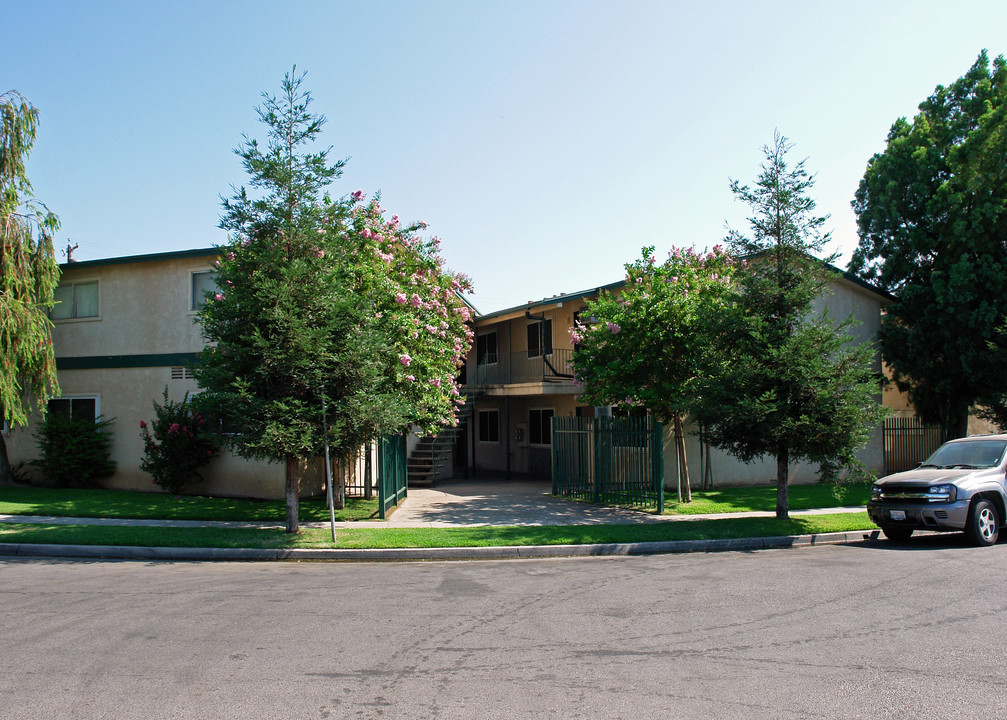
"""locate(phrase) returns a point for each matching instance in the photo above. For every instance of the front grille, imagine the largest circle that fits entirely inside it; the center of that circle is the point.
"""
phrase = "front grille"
(905, 493)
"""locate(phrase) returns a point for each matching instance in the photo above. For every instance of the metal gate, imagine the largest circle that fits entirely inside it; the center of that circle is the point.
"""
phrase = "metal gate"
(609, 461)
(392, 474)
(908, 442)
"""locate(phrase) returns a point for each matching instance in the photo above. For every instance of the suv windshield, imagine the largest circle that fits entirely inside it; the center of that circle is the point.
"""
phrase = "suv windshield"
(968, 454)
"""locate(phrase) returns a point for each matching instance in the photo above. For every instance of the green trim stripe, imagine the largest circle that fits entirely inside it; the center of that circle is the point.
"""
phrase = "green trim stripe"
(106, 362)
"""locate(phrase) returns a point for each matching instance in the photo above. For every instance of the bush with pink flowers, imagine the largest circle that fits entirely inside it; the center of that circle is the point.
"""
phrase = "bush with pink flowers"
(176, 444)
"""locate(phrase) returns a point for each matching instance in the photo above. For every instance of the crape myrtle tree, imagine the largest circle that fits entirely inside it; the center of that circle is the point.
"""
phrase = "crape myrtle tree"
(932, 219)
(305, 343)
(646, 345)
(29, 274)
(786, 382)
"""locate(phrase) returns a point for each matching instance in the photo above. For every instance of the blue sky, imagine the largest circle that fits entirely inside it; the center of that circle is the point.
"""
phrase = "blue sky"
(545, 142)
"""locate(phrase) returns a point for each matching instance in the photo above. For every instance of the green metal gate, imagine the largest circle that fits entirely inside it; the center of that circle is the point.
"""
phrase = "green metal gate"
(609, 460)
(392, 474)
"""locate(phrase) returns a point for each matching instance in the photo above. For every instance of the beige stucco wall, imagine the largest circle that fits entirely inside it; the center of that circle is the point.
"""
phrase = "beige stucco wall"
(145, 309)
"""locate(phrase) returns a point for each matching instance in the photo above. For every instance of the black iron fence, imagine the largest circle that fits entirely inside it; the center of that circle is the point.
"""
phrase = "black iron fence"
(610, 461)
(503, 368)
(908, 442)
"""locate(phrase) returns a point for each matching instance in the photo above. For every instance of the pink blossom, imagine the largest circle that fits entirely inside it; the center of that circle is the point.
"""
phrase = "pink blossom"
(219, 296)
(405, 360)
(400, 298)
(613, 328)
(415, 301)
(357, 195)
(143, 425)
(411, 378)
(436, 382)
(319, 253)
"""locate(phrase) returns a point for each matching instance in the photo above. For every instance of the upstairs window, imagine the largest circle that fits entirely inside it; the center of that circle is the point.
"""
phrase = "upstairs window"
(539, 338)
(203, 282)
(486, 349)
(76, 300)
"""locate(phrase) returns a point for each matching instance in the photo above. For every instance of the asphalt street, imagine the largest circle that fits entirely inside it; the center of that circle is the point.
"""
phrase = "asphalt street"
(867, 630)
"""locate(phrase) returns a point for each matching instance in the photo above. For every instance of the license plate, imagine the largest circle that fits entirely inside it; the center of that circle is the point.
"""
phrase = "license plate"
(897, 514)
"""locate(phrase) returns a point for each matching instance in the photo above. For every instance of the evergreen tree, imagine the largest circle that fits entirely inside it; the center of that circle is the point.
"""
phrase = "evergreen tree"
(786, 383)
(29, 274)
(330, 324)
(932, 218)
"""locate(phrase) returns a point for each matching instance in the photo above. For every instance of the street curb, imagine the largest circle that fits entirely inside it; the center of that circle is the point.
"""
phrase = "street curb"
(130, 552)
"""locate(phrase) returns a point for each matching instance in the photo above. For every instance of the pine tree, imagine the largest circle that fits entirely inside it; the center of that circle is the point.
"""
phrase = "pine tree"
(787, 383)
(29, 274)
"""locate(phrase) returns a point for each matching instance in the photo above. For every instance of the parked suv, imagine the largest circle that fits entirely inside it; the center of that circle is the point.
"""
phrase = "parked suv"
(960, 487)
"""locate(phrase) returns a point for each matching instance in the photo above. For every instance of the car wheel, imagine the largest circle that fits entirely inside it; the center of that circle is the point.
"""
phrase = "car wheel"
(897, 533)
(983, 525)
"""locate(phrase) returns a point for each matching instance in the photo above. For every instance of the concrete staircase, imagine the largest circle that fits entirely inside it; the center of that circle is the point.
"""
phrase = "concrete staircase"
(430, 455)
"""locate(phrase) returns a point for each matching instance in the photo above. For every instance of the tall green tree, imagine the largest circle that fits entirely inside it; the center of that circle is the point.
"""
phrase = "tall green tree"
(647, 344)
(932, 219)
(29, 275)
(786, 382)
(331, 325)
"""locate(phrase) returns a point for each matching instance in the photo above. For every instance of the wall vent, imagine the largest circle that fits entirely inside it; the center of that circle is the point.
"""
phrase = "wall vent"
(181, 373)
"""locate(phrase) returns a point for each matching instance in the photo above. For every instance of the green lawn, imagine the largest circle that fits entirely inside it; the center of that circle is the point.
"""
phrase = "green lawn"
(17, 500)
(745, 499)
(432, 537)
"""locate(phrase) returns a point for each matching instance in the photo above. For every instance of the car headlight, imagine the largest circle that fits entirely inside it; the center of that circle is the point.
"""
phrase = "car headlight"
(875, 492)
(941, 493)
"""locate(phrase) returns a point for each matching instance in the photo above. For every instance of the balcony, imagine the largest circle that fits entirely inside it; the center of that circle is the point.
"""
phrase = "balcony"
(511, 368)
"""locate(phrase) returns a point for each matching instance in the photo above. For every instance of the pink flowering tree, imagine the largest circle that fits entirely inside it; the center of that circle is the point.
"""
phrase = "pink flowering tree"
(177, 443)
(332, 324)
(416, 307)
(648, 344)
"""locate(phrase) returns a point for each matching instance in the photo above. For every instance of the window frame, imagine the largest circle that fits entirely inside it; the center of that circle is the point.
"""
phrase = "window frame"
(538, 335)
(532, 440)
(193, 306)
(73, 317)
(479, 427)
(496, 346)
(79, 396)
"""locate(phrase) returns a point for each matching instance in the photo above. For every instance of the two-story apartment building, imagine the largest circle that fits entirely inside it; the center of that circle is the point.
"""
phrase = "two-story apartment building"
(124, 330)
(518, 377)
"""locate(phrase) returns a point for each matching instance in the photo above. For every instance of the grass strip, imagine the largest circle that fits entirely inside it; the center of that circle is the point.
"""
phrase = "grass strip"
(432, 537)
(763, 497)
(100, 503)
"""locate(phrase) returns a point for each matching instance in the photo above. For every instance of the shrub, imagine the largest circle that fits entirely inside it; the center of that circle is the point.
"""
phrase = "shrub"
(176, 445)
(75, 452)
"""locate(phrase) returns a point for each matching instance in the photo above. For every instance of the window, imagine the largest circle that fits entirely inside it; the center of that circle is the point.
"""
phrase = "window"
(75, 408)
(540, 338)
(489, 426)
(203, 282)
(76, 300)
(540, 426)
(486, 349)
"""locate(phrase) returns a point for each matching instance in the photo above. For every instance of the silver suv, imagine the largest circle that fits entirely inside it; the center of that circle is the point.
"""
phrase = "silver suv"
(959, 487)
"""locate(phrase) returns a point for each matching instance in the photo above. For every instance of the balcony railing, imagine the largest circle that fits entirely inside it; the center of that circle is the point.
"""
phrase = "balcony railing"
(506, 368)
